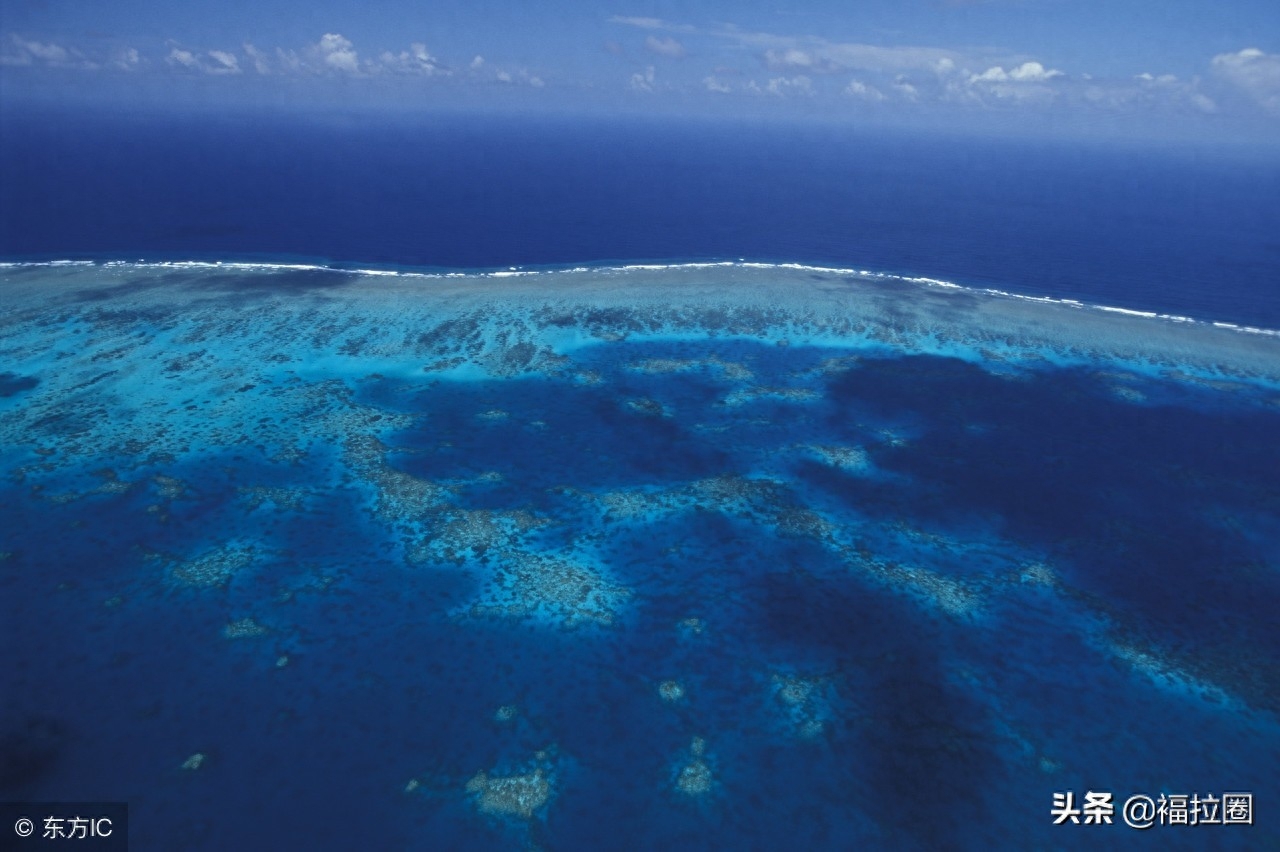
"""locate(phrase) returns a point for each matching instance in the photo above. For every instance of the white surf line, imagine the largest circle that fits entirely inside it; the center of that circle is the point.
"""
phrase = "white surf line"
(8, 264)
(518, 272)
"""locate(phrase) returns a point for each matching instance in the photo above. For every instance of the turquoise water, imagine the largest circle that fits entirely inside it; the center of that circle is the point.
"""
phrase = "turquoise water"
(692, 556)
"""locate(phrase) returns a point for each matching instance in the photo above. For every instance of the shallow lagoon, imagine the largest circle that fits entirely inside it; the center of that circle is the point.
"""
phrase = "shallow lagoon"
(700, 556)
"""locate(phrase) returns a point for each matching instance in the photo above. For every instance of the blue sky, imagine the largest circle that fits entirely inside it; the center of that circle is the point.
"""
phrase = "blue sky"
(1193, 68)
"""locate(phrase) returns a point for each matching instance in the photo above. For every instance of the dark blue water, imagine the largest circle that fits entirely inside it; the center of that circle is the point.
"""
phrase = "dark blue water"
(1189, 232)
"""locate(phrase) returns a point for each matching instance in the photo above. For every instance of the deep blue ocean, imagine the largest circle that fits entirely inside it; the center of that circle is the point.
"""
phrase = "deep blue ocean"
(1191, 231)
(368, 542)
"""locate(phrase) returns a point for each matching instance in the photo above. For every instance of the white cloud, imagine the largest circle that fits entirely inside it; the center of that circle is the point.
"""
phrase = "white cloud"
(1027, 83)
(337, 53)
(814, 54)
(19, 51)
(791, 58)
(1253, 71)
(51, 53)
(797, 67)
(1202, 102)
(415, 60)
(185, 58)
(991, 75)
(664, 46)
(859, 89)
(651, 24)
(643, 23)
(643, 82)
(893, 72)
(216, 62)
(1033, 72)
(904, 87)
(1144, 92)
(260, 63)
(787, 86)
(1027, 72)
(127, 59)
(223, 63)
(869, 57)
(521, 77)
(288, 59)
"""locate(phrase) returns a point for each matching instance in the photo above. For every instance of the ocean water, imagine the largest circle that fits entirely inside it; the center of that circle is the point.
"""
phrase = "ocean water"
(1173, 230)
(392, 553)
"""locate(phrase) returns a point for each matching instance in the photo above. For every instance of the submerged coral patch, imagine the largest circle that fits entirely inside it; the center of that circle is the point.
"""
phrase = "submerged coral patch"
(691, 626)
(846, 458)
(752, 394)
(671, 691)
(650, 407)
(401, 496)
(458, 534)
(213, 568)
(519, 794)
(694, 776)
(568, 592)
(727, 370)
(247, 628)
(282, 499)
(804, 702)
(511, 795)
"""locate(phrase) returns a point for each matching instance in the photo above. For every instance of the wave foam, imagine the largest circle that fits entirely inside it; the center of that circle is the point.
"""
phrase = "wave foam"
(520, 272)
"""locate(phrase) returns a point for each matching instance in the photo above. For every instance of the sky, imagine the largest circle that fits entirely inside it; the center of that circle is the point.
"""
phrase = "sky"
(1195, 69)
